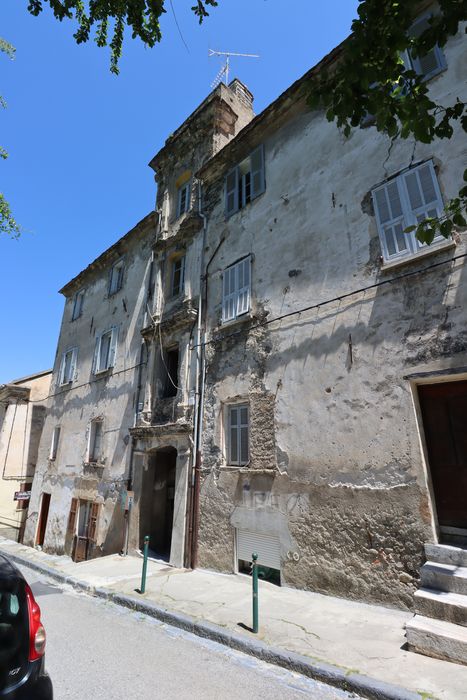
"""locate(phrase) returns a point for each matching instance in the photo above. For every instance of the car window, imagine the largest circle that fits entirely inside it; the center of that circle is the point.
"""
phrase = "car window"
(14, 633)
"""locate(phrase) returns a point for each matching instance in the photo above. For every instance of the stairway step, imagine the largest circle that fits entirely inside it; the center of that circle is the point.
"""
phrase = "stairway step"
(442, 640)
(441, 605)
(444, 577)
(446, 554)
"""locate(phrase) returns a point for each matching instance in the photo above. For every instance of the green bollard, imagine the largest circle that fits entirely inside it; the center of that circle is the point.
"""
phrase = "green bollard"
(145, 564)
(255, 593)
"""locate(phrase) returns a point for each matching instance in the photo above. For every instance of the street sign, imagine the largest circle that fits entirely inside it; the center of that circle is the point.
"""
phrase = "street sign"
(22, 496)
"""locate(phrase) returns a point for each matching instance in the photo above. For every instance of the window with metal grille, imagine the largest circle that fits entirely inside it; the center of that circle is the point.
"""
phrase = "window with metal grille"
(116, 277)
(403, 201)
(238, 434)
(236, 290)
(183, 199)
(95, 442)
(178, 276)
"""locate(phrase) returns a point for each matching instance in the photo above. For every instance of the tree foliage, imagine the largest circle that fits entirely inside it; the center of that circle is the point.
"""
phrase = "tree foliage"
(106, 20)
(370, 77)
(8, 224)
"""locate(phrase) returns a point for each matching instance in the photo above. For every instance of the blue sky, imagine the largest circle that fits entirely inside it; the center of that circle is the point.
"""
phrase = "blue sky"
(80, 138)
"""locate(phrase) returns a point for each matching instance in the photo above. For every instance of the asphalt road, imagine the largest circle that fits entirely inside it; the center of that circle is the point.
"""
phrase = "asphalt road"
(98, 650)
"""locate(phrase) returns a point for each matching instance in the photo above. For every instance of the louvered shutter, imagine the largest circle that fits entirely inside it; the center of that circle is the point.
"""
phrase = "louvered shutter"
(93, 518)
(257, 171)
(424, 196)
(95, 359)
(390, 219)
(61, 374)
(113, 347)
(433, 61)
(243, 286)
(231, 192)
(229, 296)
(74, 364)
(72, 516)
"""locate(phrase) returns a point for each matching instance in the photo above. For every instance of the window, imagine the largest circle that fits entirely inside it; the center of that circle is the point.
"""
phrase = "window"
(54, 443)
(245, 182)
(77, 305)
(183, 199)
(170, 359)
(116, 277)
(105, 350)
(95, 442)
(236, 290)
(238, 434)
(404, 201)
(429, 64)
(178, 276)
(68, 366)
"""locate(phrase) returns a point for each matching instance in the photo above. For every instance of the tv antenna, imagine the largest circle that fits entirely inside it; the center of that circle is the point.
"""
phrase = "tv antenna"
(224, 71)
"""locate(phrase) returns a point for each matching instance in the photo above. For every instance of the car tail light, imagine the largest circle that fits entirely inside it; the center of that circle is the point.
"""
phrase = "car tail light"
(36, 628)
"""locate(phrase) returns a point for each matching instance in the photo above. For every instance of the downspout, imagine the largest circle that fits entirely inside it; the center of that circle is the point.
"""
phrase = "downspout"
(200, 384)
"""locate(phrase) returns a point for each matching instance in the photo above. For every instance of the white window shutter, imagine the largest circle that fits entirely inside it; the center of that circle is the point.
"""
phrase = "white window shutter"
(231, 192)
(433, 61)
(257, 171)
(243, 287)
(61, 374)
(95, 359)
(113, 347)
(390, 220)
(74, 364)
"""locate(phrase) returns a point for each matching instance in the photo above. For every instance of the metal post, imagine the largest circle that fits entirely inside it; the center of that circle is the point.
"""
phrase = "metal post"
(145, 564)
(255, 593)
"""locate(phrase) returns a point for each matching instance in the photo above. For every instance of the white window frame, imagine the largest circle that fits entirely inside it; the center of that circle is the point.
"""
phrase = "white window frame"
(78, 301)
(239, 425)
(245, 181)
(182, 260)
(91, 456)
(183, 198)
(392, 228)
(98, 365)
(236, 290)
(67, 371)
(54, 443)
(116, 276)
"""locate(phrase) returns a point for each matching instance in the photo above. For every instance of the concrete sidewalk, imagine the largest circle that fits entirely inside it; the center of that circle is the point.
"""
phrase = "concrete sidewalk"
(360, 640)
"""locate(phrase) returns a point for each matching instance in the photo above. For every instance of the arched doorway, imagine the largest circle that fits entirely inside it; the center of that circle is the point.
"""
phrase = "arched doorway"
(157, 502)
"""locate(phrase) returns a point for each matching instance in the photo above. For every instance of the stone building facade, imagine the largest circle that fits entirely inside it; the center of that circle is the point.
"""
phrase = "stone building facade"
(285, 355)
(324, 325)
(79, 502)
(22, 415)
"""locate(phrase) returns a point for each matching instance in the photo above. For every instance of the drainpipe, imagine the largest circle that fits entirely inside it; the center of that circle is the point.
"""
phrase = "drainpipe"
(199, 393)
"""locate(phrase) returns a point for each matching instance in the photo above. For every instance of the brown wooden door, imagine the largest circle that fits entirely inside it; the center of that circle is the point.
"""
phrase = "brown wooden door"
(444, 412)
(43, 518)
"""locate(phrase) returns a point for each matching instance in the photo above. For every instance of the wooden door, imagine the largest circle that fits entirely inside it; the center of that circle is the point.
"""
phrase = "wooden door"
(444, 412)
(43, 518)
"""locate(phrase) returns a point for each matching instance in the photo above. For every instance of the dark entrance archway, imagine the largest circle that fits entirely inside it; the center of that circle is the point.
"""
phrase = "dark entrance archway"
(157, 502)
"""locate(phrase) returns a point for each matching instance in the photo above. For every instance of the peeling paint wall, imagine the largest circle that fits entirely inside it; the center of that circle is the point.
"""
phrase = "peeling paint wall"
(337, 468)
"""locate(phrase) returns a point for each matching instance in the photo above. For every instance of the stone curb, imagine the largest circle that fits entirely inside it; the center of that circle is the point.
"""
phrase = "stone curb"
(326, 673)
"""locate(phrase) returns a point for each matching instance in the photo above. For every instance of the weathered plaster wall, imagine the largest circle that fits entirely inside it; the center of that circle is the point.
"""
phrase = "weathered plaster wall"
(349, 490)
(111, 395)
(21, 424)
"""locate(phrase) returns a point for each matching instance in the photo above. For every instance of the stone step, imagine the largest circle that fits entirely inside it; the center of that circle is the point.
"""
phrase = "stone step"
(441, 605)
(444, 577)
(446, 554)
(442, 640)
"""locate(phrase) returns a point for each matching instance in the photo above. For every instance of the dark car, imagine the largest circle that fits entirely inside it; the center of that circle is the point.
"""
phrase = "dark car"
(22, 639)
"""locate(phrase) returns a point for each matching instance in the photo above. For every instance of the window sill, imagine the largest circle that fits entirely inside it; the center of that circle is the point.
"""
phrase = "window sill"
(94, 465)
(248, 316)
(432, 250)
(102, 372)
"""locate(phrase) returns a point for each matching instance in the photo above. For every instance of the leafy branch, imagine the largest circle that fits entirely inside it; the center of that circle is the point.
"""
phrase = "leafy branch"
(8, 224)
(371, 77)
(104, 17)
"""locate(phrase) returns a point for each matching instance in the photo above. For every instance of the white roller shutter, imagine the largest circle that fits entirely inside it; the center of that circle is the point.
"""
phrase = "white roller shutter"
(267, 548)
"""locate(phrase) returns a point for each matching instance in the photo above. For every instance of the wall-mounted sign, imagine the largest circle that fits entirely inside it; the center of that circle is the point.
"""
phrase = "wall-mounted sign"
(22, 496)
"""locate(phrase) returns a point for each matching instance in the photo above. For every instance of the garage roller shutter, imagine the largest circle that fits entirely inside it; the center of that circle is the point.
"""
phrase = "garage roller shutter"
(265, 546)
